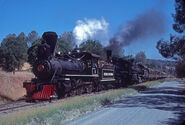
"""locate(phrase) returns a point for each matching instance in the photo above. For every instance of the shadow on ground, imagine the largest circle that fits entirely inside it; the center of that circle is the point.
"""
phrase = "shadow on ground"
(162, 98)
(139, 88)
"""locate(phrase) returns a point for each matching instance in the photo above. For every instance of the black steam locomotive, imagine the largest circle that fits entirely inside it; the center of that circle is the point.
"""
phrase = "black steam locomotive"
(78, 72)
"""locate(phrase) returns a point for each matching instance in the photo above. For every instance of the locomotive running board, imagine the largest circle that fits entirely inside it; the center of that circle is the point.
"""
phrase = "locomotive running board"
(103, 80)
(68, 75)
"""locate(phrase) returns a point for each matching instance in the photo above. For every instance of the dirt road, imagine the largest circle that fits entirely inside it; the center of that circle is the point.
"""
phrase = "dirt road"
(161, 105)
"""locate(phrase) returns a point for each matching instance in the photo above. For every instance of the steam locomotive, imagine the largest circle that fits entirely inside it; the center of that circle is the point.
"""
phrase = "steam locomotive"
(78, 72)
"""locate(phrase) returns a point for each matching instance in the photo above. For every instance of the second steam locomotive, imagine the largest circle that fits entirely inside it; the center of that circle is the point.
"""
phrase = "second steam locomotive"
(79, 72)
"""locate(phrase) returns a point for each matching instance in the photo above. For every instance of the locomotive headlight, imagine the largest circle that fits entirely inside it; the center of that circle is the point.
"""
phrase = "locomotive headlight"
(40, 68)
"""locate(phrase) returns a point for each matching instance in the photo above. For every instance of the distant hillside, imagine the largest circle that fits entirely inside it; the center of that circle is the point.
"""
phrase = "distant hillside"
(162, 65)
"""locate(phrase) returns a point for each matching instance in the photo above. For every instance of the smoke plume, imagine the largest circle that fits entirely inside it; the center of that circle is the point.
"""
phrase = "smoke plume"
(90, 29)
(148, 24)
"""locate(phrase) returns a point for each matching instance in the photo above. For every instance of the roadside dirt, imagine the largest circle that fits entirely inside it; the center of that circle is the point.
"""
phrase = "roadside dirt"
(11, 85)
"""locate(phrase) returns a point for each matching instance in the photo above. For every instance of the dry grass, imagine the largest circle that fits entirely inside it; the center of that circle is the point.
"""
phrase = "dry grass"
(68, 109)
(11, 85)
(20, 74)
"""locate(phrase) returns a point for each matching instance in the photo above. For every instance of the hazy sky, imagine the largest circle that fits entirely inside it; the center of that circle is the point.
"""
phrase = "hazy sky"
(61, 15)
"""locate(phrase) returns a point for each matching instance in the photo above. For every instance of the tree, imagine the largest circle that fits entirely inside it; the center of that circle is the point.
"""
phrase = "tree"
(140, 57)
(129, 57)
(93, 46)
(63, 45)
(69, 37)
(13, 52)
(32, 51)
(176, 47)
(66, 42)
(179, 16)
(32, 37)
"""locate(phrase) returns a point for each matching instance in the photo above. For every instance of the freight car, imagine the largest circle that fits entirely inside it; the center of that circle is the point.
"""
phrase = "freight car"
(78, 72)
(155, 74)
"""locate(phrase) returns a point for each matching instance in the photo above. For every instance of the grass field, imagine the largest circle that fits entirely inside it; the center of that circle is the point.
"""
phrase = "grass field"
(72, 107)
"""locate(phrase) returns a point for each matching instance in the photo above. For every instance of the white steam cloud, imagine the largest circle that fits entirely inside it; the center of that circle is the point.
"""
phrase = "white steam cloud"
(90, 29)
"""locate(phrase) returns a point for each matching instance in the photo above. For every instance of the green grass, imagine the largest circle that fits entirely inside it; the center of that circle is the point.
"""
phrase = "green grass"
(70, 108)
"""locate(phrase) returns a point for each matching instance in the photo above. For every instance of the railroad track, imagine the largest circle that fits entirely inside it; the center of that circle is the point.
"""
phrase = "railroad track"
(14, 106)
(21, 105)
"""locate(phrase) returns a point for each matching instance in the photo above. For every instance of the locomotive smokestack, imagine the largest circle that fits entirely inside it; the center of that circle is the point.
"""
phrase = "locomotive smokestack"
(109, 54)
(51, 39)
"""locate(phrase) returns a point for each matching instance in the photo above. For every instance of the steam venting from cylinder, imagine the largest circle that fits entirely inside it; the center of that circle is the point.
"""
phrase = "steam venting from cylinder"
(145, 25)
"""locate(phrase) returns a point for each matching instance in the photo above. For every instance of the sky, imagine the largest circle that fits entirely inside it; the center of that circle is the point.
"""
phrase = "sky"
(62, 15)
